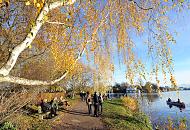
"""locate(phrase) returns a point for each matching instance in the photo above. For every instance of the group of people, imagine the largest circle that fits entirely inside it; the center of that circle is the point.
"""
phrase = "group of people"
(51, 106)
(82, 95)
(178, 100)
(96, 101)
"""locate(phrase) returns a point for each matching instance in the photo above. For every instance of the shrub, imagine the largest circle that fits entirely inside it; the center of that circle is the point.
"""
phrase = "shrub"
(7, 126)
(182, 124)
(56, 89)
(49, 96)
(131, 103)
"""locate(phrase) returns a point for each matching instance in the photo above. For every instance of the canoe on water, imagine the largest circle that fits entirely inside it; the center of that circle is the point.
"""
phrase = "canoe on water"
(181, 104)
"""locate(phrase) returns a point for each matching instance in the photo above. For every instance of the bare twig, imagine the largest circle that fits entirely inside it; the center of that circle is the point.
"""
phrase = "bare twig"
(150, 8)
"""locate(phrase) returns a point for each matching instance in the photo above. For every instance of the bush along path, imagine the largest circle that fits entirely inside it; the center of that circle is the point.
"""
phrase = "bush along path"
(77, 118)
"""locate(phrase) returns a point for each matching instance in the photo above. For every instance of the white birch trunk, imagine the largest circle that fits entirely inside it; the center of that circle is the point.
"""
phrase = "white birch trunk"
(5, 70)
(23, 81)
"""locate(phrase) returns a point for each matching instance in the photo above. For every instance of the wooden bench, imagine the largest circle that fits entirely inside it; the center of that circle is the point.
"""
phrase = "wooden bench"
(43, 115)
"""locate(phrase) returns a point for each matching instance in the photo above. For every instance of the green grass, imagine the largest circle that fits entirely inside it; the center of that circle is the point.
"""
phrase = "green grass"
(117, 116)
(25, 122)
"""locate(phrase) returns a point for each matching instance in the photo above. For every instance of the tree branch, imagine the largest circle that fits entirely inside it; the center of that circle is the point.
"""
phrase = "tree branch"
(150, 8)
(25, 81)
(36, 55)
(5, 70)
(59, 23)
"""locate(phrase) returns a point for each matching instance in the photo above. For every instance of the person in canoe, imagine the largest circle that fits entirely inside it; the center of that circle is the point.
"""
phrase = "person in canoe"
(169, 100)
(178, 101)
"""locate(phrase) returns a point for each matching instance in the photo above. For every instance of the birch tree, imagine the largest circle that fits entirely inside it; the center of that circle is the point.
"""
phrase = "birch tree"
(71, 28)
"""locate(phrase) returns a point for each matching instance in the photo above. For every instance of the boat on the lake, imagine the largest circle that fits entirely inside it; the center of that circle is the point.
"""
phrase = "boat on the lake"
(178, 104)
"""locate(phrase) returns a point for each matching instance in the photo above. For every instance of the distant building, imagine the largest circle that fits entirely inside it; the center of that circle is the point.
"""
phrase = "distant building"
(131, 90)
(181, 88)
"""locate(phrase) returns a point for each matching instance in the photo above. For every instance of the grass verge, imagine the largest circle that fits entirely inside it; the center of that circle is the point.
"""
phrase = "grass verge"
(117, 116)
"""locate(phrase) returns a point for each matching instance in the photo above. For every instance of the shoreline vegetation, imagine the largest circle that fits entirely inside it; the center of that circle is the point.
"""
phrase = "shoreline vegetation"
(117, 115)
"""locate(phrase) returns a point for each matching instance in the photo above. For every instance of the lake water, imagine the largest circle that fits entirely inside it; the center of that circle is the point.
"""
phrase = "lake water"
(156, 108)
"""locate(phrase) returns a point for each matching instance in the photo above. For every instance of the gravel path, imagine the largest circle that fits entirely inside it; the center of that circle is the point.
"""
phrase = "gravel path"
(77, 118)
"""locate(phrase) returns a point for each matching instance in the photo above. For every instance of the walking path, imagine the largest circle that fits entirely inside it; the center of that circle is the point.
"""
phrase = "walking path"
(77, 118)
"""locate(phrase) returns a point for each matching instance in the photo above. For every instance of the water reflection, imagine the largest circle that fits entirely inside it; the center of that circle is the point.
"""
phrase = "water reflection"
(152, 98)
(180, 107)
(156, 107)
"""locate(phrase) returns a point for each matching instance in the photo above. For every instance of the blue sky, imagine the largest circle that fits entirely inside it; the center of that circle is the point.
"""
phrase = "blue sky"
(180, 51)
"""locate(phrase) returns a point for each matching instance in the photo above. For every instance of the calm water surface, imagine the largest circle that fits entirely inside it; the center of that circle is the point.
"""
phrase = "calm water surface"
(155, 106)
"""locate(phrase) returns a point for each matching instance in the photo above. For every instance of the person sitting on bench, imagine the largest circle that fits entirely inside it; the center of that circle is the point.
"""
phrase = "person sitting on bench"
(45, 106)
(54, 106)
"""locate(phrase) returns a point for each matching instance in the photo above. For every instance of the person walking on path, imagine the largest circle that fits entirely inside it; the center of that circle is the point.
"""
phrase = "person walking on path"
(100, 100)
(96, 104)
(89, 102)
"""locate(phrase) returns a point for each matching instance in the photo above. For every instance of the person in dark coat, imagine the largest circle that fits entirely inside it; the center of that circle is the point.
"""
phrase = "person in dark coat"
(96, 104)
(100, 100)
(45, 106)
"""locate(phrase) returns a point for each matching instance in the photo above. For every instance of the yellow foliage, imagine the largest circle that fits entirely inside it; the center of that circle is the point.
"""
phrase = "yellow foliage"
(131, 103)
(30, 46)
(34, 1)
(38, 5)
(96, 25)
(27, 3)
(170, 124)
(182, 125)
(71, 2)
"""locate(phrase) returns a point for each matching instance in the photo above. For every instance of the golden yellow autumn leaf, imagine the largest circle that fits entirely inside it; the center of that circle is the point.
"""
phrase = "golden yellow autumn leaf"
(27, 3)
(38, 5)
(30, 46)
(71, 2)
(45, 18)
(35, 1)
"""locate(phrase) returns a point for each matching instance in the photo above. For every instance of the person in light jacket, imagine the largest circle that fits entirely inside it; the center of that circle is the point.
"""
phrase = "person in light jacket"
(100, 100)
(89, 102)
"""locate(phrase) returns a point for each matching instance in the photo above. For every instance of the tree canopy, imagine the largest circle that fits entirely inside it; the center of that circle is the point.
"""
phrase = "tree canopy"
(60, 32)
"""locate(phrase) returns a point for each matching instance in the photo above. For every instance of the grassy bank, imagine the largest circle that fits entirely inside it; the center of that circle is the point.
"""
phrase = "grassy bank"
(117, 116)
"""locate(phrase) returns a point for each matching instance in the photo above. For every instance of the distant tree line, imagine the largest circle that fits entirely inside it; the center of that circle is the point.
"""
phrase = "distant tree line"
(147, 88)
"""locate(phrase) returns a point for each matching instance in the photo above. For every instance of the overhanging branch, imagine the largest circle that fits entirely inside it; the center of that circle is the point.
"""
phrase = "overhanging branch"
(5, 70)
(24, 81)
(150, 8)
(58, 23)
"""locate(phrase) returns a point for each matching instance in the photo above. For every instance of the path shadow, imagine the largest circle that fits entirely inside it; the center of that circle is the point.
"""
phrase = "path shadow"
(69, 126)
(76, 112)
